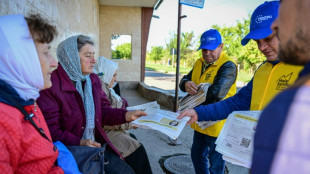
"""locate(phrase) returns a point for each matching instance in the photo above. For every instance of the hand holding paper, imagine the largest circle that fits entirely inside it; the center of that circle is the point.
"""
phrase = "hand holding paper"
(189, 113)
(133, 115)
(191, 87)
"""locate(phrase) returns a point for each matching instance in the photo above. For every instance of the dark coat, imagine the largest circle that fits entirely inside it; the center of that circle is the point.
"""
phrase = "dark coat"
(63, 109)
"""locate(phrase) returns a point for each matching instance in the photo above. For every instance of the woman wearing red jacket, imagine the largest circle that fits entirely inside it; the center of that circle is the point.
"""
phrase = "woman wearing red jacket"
(26, 65)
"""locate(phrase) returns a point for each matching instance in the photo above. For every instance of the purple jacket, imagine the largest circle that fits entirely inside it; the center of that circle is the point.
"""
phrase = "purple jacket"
(63, 109)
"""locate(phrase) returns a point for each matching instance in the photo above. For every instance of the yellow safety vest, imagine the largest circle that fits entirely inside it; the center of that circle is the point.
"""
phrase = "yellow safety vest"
(269, 80)
(208, 76)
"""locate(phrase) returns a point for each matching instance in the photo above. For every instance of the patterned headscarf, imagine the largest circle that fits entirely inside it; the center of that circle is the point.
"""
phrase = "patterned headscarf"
(68, 57)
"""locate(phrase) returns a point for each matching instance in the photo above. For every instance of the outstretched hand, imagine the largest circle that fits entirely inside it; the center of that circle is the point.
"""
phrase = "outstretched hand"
(189, 113)
(133, 115)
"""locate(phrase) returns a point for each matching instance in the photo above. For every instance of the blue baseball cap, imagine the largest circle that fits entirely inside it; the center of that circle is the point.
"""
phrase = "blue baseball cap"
(261, 20)
(210, 40)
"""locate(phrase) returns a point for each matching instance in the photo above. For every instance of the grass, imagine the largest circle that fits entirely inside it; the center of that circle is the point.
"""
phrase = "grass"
(166, 68)
(242, 76)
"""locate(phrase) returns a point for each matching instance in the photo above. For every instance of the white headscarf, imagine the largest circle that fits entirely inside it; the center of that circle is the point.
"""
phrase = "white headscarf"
(19, 62)
(106, 68)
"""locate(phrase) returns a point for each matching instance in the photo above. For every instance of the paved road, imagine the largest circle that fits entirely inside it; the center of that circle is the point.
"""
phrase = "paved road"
(166, 81)
(152, 73)
(160, 80)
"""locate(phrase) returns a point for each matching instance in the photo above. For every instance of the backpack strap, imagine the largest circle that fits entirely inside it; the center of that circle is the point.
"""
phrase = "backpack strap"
(26, 115)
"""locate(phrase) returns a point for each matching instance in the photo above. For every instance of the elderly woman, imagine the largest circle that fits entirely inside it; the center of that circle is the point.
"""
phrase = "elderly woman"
(75, 106)
(133, 151)
(26, 65)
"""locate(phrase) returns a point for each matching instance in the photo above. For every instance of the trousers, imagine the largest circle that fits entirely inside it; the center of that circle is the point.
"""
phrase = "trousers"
(205, 159)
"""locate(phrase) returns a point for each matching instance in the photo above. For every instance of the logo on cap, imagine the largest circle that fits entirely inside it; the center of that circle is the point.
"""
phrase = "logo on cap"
(259, 19)
(211, 38)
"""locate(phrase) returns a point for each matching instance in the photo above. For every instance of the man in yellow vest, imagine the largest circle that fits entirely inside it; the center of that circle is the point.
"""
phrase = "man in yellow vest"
(281, 145)
(214, 67)
(269, 79)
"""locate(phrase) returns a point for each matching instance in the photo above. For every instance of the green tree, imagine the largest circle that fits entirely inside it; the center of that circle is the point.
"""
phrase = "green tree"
(122, 51)
(186, 44)
(156, 53)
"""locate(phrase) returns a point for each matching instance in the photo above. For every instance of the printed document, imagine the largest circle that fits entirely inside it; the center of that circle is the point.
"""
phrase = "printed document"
(163, 121)
(191, 101)
(144, 106)
(235, 141)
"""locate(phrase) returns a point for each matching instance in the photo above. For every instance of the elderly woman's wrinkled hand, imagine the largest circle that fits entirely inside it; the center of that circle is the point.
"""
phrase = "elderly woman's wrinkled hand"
(189, 113)
(89, 143)
(133, 115)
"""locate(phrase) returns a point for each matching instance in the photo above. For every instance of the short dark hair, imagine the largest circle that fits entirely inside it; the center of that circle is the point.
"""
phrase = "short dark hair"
(41, 29)
(82, 40)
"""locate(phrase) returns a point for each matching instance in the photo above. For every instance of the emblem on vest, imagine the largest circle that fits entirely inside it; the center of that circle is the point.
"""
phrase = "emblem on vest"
(283, 81)
(208, 75)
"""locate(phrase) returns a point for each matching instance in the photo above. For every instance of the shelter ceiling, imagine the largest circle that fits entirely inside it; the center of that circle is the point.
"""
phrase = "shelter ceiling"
(134, 3)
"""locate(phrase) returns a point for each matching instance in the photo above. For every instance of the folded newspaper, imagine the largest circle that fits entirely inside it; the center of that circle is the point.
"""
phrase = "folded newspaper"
(160, 120)
(145, 106)
(235, 141)
(191, 101)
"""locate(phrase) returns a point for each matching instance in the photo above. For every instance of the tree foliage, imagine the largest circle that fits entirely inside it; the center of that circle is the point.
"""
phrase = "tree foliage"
(185, 44)
(156, 53)
(248, 56)
(122, 51)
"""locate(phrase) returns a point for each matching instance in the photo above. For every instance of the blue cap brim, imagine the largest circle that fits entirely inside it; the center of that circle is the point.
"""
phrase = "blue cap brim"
(256, 34)
(208, 47)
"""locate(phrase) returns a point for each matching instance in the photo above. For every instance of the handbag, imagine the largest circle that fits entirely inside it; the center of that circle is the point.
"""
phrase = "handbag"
(90, 160)
(66, 160)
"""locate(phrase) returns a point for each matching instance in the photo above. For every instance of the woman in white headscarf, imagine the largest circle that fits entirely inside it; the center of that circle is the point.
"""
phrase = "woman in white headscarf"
(107, 71)
(26, 65)
(126, 143)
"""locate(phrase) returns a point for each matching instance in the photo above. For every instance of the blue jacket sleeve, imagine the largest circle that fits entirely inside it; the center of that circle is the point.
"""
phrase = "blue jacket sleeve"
(221, 110)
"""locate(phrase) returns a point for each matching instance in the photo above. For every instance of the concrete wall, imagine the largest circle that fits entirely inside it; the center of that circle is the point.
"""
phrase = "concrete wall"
(122, 20)
(71, 17)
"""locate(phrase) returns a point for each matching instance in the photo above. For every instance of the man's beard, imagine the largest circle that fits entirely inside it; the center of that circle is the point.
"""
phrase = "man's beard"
(290, 52)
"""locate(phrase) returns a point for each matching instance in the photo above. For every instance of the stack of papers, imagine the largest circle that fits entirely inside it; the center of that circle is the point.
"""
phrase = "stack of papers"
(235, 141)
(191, 101)
(163, 121)
(145, 106)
